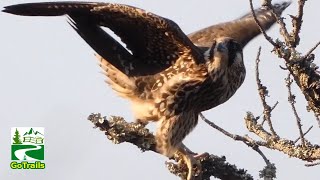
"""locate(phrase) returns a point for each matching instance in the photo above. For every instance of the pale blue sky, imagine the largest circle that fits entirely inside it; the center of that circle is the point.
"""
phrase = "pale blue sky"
(50, 78)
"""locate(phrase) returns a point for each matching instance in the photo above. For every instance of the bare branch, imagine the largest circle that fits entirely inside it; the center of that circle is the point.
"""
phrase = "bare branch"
(118, 131)
(283, 29)
(263, 92)
(246, 139)
(297, 22)
(307, 153)
(274, 106)
(308, 80)
(269, 170)
(304, 134)
(312, 164)
(259, 24)
(302, 68)
(311, 50)
(291, 99)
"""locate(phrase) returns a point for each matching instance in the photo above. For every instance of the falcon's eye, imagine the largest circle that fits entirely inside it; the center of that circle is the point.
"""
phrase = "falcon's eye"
(233, 48)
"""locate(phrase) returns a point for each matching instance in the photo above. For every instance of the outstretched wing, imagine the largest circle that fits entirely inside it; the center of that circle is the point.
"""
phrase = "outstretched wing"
(155, 42)
(243, 29)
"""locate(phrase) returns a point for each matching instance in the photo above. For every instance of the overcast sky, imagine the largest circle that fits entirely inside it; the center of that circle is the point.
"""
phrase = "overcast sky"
(50, 78)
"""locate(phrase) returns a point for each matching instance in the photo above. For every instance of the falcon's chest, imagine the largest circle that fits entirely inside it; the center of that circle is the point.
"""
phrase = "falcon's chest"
(214, 92)
(196, 92)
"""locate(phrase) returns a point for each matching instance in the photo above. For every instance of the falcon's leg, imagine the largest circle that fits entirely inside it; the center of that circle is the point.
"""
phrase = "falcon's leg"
(169, 136)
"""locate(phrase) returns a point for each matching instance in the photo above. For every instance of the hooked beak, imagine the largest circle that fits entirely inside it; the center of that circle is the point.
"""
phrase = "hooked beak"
(221, 47)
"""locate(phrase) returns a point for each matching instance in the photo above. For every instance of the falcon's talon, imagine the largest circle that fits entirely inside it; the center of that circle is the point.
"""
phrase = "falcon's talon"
(194, 169)
(192, 163)
(202, 156)
(168, 76)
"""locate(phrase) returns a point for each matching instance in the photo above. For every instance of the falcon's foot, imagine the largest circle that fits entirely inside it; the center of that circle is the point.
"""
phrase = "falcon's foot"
(201, 156)
(192, 162)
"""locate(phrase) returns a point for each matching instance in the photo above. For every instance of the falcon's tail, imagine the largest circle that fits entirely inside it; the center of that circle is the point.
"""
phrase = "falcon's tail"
(265, 15)
(243, 29)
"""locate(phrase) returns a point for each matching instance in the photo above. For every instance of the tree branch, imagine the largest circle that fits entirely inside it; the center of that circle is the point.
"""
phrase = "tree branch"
(292, 101)
(118, 131)
(268, 38)
(307, 153)
(296, 24)
(269, 170)
(263, 92)
(302, 68)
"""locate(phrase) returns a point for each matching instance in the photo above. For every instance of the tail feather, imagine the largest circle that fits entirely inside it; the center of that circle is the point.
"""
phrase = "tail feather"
(265, 15)
(243, 29)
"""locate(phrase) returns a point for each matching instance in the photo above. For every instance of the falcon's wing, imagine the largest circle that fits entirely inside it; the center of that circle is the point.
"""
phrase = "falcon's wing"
(155, 42)
(243, 29)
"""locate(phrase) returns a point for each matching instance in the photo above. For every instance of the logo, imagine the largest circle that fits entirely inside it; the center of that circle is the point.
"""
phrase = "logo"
(27, 148)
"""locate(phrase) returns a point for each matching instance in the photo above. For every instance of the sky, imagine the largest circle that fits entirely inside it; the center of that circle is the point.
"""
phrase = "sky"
(50, 78)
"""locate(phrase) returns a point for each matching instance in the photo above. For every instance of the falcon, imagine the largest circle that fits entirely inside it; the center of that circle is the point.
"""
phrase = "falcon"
(168, 77)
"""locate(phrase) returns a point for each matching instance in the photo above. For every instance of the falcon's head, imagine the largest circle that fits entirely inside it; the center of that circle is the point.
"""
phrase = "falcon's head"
(224, 53)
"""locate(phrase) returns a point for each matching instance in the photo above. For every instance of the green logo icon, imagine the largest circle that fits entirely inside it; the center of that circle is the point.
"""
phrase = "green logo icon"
(27, 146)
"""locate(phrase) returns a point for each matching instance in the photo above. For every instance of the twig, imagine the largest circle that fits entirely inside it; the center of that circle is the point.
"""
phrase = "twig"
(311, 50)
(296, 23)
(304, 134)
(291, 99)
(312, 164)
(274, 106)
(266, 160)
(307, 153)
(260, 26)
(269, 171)
(263, 92)
(283, 29)
(246, 139)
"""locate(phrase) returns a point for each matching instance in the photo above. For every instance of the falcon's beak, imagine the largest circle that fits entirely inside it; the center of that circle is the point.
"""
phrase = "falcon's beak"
(221, 47)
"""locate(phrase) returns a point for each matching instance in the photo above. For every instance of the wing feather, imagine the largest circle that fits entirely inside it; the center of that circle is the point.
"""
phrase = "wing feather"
(155, 42)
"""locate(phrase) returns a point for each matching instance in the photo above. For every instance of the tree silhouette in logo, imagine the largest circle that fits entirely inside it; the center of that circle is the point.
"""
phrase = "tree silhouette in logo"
(16, 138)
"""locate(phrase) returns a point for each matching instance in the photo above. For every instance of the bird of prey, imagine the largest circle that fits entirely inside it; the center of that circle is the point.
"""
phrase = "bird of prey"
(169, 77)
